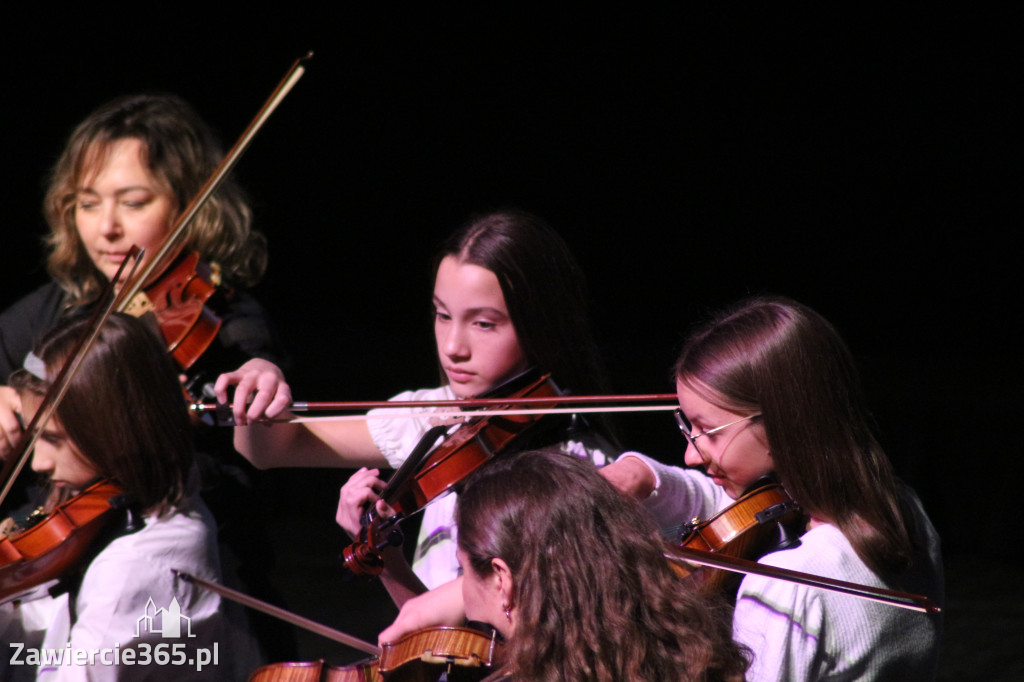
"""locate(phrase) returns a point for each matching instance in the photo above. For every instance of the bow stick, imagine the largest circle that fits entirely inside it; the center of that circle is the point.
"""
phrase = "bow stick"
(905, 600)
(278, 612)
(606, 402)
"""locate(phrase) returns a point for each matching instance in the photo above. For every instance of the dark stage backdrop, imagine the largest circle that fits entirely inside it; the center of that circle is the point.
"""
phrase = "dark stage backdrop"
(867, 165)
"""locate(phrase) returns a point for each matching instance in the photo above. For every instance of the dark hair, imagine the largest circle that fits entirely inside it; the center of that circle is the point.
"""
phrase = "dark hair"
(777, 357)
(544, 289)
(124, 409)
(595, 597)
(181, 152)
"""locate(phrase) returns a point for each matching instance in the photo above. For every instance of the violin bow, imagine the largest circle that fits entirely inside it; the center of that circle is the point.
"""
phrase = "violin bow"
(171, 243)
(453, 408)
(278, 612)
(905, 600)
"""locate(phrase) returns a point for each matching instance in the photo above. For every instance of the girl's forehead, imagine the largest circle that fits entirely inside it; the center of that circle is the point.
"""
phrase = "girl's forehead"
(467, 285)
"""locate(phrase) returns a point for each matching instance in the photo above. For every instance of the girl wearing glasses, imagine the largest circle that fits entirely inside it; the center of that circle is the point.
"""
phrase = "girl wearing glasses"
(769, 388)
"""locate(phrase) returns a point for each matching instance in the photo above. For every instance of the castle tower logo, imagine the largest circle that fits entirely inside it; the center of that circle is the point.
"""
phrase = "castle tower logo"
(165, 622)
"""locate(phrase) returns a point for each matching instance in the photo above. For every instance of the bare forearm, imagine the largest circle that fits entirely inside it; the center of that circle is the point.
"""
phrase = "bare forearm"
(325, 444)
(398, 577)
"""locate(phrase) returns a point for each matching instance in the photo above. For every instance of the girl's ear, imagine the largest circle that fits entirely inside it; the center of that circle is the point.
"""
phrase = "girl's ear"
(502, 576)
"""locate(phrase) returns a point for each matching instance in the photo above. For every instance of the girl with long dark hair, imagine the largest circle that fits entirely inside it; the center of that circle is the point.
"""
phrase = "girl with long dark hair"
(768, 388)
(508, 296)
(122, 421)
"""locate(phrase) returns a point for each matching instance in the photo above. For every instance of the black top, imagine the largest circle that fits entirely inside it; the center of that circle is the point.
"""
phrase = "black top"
(246, 332)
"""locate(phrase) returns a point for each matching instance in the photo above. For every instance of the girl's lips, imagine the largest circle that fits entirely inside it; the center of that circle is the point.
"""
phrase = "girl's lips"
(459, 375)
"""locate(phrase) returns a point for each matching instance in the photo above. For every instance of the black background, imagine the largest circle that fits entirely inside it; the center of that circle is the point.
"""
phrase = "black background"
(865, 164)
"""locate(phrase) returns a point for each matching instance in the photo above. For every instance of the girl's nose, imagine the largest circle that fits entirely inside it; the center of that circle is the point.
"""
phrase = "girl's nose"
(41, 463)
(693, 457)
(455, 345)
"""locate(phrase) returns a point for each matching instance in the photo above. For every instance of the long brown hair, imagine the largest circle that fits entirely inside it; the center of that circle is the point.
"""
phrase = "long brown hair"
(595, 597)
(180, 152)
(780, 358)
(124, 409)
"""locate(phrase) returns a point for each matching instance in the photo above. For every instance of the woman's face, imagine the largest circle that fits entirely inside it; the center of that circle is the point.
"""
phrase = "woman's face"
(483, 597)
(734, 457)
(120, 204)
(55, 455)
(476, 342)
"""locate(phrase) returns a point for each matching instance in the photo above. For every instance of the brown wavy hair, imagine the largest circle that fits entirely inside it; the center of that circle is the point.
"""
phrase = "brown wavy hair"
(595, 597)
(775, 356)
(181, 152)
(124, 408)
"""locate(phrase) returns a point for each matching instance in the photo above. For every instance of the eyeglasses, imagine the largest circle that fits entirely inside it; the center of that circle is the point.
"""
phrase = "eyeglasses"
(686, 428)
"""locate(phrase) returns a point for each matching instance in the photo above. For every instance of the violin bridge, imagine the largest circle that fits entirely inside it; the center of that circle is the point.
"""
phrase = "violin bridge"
(139, 305)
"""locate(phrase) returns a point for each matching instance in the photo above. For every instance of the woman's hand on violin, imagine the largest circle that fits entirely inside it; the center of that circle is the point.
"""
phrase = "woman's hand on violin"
(630, 476)
(441, 606)
(362, 488)
(10, 426)
(261, 381)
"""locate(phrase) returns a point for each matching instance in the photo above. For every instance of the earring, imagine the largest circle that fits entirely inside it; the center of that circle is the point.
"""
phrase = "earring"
(508, 611)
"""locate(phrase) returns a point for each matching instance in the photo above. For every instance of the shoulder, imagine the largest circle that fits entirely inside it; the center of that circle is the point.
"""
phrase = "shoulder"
(798, 631)
(135, 569)
(824, 550)
(396, 437)
(185, 537)
(41, 307)
(25, 321)
(130, 596)
(246, 325)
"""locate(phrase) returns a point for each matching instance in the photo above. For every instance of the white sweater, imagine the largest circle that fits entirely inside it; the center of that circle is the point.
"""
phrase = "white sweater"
(805, 633)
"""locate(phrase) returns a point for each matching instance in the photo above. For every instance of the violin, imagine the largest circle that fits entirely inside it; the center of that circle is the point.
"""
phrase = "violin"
(429, 472)
(763, 520)
(461, 653)
(178, 302)
(59, 543)
(317, 671)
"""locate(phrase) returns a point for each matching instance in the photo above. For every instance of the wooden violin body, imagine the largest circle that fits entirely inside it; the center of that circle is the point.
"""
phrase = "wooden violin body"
(58, 543)
(178, 301)
(462, 653)
(761, 521)
(427, 474)
(421, 656)
(317, 671)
